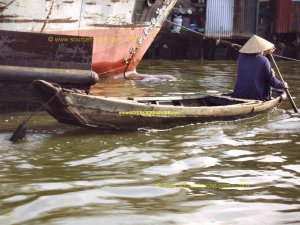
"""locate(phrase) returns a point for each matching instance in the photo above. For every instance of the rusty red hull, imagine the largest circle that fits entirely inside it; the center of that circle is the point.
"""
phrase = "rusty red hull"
(111, 48)
(116, 26)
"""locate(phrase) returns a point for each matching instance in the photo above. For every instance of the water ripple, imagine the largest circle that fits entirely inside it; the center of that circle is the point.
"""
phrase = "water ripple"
(181, 165)
(61, 174)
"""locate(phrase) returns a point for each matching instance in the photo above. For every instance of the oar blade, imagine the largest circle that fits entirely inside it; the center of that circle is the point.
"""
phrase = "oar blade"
(19, 133)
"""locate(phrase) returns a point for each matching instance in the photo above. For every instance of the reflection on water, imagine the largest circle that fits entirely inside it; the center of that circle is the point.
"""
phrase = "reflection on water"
(192, 77)
(67, 175)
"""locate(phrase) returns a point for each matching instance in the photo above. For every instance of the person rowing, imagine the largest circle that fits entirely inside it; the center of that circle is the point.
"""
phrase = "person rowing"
(255, 76)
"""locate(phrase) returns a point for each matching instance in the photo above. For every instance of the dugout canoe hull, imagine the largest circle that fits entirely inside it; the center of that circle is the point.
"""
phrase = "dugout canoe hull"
(145, 112)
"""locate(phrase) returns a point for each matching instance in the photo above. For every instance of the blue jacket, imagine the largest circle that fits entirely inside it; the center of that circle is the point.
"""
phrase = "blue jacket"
(254, 78)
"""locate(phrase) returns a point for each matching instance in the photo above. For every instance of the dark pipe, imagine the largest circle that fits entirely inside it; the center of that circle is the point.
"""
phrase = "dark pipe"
(151, 3)
(66, 76)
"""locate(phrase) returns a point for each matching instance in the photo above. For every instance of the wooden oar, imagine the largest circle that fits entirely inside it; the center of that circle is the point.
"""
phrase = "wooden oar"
(285, 89)
(21, 131)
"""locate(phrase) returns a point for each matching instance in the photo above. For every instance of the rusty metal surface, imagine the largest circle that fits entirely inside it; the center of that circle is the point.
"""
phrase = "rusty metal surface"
(245, 17)
(282, 16)
(115, 25)
(44, 50)
(296, 17)
(144, 14)
(231, 18)
(53, 15)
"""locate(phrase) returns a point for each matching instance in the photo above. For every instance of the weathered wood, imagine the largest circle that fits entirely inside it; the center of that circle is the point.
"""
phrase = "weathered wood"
(19, 96)
(127, 113)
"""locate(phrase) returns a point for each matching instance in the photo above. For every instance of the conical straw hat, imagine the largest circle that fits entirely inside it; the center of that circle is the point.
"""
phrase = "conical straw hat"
(256, 44)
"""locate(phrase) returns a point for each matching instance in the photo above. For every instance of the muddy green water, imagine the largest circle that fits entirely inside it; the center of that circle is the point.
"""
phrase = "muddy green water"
(67, 175)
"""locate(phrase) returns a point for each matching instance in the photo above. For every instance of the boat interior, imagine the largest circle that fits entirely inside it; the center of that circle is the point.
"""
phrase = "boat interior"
(198, 100)
(194, 102)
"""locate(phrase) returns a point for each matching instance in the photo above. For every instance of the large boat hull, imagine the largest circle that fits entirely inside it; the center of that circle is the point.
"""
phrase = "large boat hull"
(116, 26)
(111, 43)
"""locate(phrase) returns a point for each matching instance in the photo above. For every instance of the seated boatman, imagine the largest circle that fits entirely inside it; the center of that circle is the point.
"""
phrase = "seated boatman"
(254, 73)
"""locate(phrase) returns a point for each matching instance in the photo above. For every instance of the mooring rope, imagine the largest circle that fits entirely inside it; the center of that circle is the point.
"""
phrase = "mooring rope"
(279, 56)
(228, 43)
(218, 40)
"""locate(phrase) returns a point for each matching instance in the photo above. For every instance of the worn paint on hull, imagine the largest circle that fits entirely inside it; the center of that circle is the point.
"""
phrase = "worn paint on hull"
(146, 112)
(115, 25)
(111, 48)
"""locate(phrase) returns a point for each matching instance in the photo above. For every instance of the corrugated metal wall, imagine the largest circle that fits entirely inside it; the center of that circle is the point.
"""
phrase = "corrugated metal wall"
(282, 16)
(245, 17)
(296, 17)
(219, 18)
(231, 18)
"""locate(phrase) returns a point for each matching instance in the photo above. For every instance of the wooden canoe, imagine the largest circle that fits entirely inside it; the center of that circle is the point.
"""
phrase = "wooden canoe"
(131, 113)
